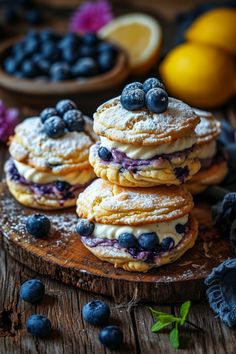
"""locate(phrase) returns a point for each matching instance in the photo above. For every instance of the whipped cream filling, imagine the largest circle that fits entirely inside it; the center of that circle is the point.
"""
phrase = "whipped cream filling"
(148, 152)
(163, 230)
(206, 151)
(35, 176)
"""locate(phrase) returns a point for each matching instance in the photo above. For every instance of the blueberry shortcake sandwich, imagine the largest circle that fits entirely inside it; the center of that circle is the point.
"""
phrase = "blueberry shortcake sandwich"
(136, 228)
(147, 138)
(212, 158)
(48, 165)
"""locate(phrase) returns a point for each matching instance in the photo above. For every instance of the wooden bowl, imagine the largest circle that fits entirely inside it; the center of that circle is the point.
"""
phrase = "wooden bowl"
(36, 94)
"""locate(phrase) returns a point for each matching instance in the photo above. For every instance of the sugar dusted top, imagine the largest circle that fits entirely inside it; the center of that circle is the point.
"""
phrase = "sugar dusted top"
(142, 127)
(30, 145)
(208, 128)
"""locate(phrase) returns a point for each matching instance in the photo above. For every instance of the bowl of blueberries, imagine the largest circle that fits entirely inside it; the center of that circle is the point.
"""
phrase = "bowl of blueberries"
(44, 66)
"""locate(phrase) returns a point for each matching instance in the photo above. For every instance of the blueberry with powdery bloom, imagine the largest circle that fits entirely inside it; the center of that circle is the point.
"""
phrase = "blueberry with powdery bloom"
(38, 326)
(74, 120)
(152, 83)
(104, 153)
(148, 241)
(32, 291)
(156, 100)
(85, 227)
(133, 99)
(96, 312)
(38, 225)
(54, 127)
(64, 106)
(47, 113)
(111, 337)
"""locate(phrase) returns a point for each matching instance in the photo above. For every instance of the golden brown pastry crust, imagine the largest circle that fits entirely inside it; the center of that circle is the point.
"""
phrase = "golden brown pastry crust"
(26, 197)
(208, 129)
(31, 146)
(147, 176)
(106, 203)
(142, 127)
(122, 259)
(208, 177)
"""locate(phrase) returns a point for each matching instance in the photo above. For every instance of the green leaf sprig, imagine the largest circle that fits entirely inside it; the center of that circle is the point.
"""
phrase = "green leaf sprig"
(164, 320)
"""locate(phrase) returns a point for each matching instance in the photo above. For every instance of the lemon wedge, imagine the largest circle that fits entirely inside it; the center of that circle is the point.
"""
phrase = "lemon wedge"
(140, 35)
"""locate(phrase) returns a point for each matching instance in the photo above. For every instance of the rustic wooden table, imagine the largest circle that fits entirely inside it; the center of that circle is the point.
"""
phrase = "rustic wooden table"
(63, 304)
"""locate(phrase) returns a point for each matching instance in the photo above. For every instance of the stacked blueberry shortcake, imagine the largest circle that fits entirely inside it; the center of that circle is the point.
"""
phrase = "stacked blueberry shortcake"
(147, 140)
(48, 165)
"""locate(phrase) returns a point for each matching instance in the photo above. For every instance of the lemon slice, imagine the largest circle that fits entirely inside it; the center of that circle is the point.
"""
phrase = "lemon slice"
(140, 35)
(216, 28)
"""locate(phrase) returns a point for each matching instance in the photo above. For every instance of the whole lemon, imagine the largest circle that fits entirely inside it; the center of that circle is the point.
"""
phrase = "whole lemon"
(216, 28)
(202, 76)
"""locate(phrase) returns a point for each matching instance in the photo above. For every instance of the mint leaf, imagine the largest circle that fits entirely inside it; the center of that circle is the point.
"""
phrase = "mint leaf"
(155, 312)
(184, 310)
(167, 318)
(160, 325)
(174, 336)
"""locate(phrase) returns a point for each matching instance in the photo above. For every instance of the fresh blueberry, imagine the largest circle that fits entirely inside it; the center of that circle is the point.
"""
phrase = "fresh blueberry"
(29, 69)
(31, 46)
(132, 99)
(54, 127)
(47, 35)
(34, 17)
(60, 72)
(87, 51)
(47, 113)
(11, 65)
(167, 243)
(85, 227)
(152, 83)
(38, 326)
(133, 86)
(90, 39)
(38, 225)
(70, 41)
(20, 55)
(156, 100)
(111, 337)
(104, 154)
(74, 120)
(43, 66)
(70, 55)
(180, 229)
(32, 291)
(50, 51)
(106, 47)
(64, 106)
(85, 67)
(148, 241)
(106, 61)
(62, 186)
(96, 312)
(127, 240)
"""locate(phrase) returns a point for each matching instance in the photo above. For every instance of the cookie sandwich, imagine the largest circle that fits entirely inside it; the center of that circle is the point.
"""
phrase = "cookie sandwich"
(136, 228)
(146, 138)
(48, 165)
(212, 158)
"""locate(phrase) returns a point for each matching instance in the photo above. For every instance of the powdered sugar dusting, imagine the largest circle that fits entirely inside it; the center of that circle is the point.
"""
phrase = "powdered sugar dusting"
(143, 127)
(31, 143)
(208, 128)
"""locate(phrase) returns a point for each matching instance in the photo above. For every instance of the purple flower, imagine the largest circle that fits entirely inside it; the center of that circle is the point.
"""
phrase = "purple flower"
(8, 120)
(91, 16)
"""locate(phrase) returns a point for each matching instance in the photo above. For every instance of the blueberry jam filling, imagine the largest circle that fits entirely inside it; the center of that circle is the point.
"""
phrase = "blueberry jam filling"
(133, 165)
(138, 252)
(61, 189)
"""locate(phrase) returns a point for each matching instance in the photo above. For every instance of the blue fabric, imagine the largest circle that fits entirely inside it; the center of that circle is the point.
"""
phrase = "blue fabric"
(221, 291)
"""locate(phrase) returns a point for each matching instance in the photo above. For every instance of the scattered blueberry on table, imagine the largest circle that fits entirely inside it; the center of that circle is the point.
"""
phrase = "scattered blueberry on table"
(32, 291)
(111, 337)
(47, 55)
(38, 326)
(96, 312)
(38, 225)
(151, 95)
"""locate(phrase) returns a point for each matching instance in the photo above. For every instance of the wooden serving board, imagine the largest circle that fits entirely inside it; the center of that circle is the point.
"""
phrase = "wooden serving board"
(63, 257)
